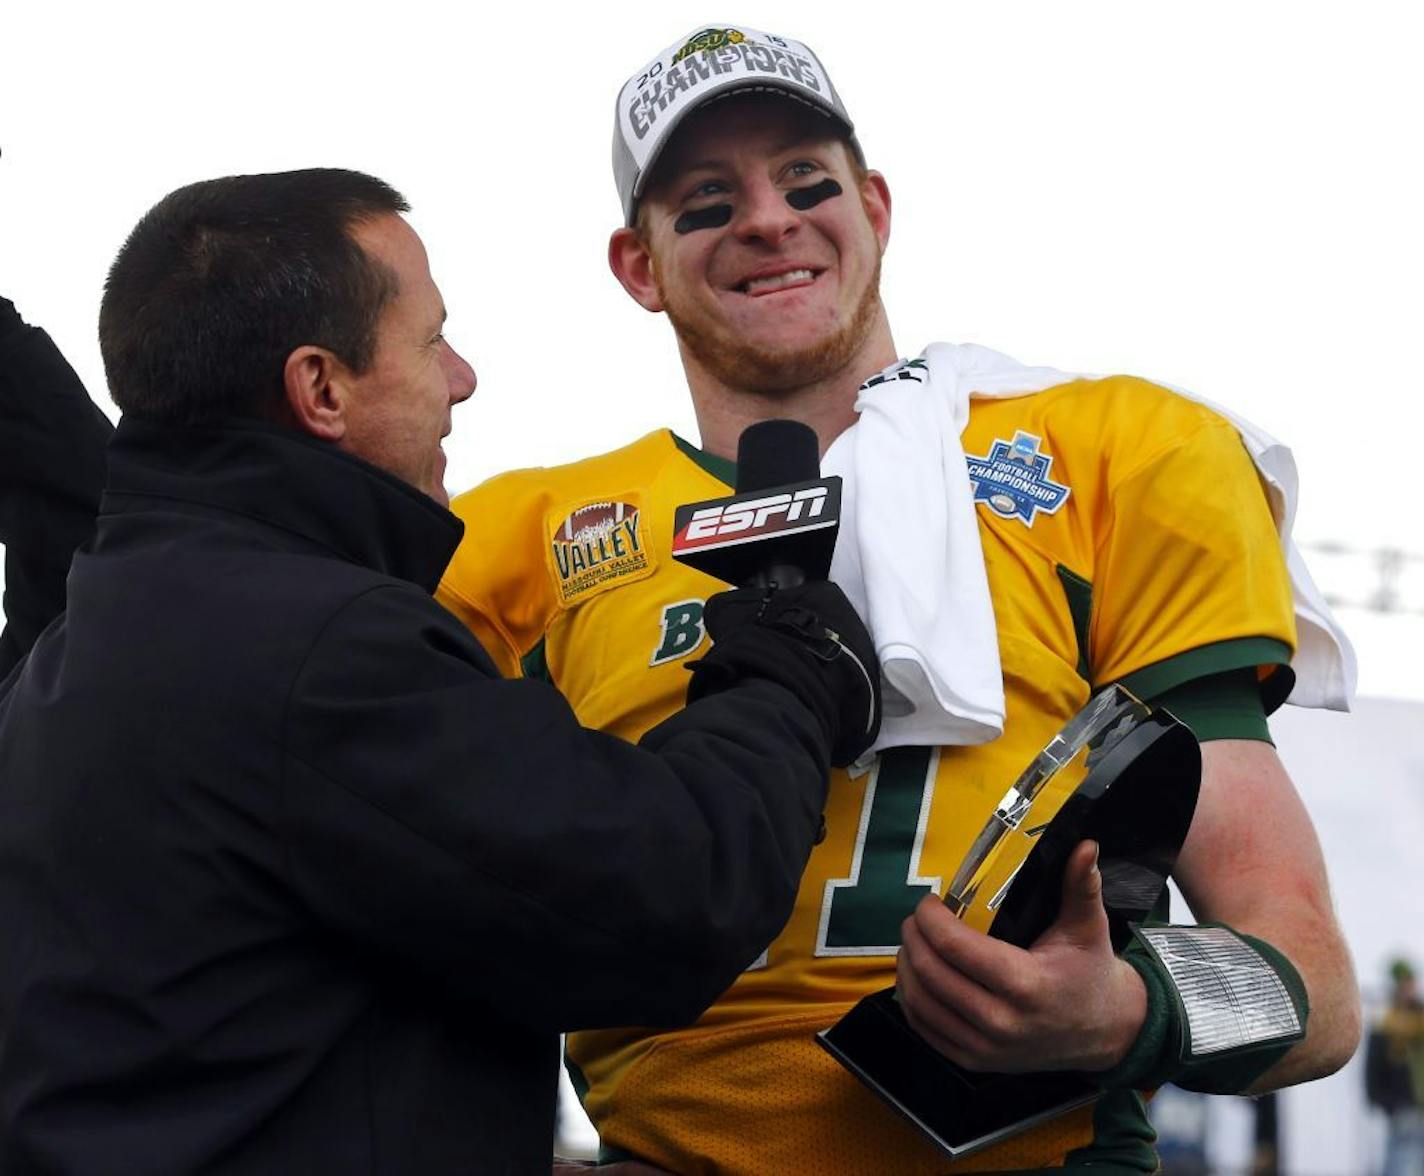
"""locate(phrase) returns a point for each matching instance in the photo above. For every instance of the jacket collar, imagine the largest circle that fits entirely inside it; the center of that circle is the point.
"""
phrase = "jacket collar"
(286, 480)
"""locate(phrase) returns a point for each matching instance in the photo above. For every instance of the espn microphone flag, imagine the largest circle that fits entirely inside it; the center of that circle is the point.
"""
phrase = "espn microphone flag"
(781, 524)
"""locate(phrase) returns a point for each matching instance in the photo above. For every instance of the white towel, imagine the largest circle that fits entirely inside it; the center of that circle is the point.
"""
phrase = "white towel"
(918, 577)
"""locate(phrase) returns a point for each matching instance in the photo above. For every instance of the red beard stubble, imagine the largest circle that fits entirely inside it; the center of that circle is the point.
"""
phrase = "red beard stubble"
(741, 366)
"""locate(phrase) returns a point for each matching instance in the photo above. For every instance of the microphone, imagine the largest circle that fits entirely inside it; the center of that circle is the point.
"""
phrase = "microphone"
(779, 528)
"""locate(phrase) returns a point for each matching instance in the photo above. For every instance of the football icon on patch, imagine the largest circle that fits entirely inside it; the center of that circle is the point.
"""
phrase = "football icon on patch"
(593, 520)
(595, 546)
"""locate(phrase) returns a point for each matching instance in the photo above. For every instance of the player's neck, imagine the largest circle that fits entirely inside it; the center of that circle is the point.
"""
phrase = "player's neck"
(827, 405)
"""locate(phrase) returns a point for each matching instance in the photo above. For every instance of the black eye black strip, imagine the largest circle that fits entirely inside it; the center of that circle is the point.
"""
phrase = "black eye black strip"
(714, 216)
(802, 199)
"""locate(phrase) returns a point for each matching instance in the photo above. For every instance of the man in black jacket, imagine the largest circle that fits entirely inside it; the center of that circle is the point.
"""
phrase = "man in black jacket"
(290, 880)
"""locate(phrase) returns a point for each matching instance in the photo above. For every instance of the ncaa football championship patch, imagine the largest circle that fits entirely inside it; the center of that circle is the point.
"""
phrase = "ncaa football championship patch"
(1012, 479)
(597, 545)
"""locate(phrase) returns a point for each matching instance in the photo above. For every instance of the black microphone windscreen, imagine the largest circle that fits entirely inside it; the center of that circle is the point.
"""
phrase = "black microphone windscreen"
(776, 453)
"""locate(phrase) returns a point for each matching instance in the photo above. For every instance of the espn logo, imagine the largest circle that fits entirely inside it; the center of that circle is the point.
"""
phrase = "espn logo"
(762, 514)
(727, 518)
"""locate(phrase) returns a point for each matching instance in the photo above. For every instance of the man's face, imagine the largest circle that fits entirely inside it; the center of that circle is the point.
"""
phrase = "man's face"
(765, 244)
(399, 408)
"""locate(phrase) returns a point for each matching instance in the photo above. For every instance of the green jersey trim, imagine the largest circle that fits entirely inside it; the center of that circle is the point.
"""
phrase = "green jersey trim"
(576, 1078)
(606, 1154)
(1220, 706)
(718, 467)
(1079, 592)
(1122, 1137)
(1151, 682)
(535, 663)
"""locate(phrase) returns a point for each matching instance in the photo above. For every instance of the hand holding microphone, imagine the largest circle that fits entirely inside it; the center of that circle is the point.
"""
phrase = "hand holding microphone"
(786, 622)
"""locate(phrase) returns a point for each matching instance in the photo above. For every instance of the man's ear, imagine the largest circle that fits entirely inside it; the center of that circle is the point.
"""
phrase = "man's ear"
(316, 385)
(632, 264)
(875, 196)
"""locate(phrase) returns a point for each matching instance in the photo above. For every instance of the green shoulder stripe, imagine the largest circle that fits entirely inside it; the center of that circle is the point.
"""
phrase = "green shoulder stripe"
(1238, 653)
(718, 467)
(1079, 592)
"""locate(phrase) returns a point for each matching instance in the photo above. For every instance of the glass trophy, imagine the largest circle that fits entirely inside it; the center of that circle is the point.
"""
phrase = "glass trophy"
(1141, 769)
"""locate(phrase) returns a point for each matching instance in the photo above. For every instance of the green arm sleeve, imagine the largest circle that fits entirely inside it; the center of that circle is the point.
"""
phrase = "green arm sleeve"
(1224, 705)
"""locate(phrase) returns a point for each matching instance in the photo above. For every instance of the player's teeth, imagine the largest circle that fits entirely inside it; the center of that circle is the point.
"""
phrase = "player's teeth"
(801, 275)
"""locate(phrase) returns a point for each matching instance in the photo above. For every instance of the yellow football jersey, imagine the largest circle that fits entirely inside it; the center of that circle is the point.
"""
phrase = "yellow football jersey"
(1126, 538)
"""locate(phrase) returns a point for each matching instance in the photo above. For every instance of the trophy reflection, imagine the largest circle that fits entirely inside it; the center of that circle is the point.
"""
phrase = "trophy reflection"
(1142, 769)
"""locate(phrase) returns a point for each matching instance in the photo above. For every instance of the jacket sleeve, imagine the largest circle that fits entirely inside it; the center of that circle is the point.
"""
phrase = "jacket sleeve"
(466, 826)
(52, 459)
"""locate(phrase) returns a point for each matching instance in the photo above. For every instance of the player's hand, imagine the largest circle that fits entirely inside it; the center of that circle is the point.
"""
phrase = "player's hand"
(1066, 1003)
(621, 1168)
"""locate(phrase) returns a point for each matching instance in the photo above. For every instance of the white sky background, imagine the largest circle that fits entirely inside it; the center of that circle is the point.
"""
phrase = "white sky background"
(1221, 196)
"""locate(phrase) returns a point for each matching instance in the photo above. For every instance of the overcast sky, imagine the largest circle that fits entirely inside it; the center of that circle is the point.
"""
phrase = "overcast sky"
(1221, 196)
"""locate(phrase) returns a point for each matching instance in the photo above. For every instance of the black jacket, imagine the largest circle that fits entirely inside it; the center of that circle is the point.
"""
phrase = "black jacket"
(52, 442)
(292, 882)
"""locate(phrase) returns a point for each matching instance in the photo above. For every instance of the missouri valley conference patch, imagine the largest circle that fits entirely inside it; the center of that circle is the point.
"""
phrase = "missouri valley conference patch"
(597, 545)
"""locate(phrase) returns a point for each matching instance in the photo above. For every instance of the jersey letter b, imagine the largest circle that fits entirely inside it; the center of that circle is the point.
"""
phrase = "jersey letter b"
(682, 631)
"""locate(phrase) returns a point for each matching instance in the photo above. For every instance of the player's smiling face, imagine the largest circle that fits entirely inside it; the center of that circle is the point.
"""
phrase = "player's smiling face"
(763, 243)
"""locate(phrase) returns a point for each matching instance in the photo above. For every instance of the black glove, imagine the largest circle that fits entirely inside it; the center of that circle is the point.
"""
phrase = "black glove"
(810, 640)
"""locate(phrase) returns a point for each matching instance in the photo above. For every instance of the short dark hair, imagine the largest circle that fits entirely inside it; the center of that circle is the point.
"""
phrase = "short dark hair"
(223, 279)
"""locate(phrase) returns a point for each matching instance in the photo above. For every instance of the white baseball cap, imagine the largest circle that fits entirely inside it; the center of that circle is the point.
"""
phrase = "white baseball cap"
(710, 62)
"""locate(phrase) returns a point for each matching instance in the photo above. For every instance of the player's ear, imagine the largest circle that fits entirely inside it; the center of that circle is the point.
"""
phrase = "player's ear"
(875, 197)
(316, 388)
(632, 264)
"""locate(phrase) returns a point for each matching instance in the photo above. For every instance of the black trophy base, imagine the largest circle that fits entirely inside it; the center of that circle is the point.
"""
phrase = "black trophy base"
(957, 1109)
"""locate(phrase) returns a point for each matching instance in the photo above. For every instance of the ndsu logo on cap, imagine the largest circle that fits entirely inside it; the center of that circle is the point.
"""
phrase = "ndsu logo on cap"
(597, 545)
(709, 39)
(718, 59)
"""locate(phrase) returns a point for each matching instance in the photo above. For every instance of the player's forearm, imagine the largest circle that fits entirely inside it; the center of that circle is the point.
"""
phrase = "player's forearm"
(1317, 949)
(1253, 862)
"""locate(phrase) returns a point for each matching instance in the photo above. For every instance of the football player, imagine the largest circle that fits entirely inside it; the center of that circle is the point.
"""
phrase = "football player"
(1118, 533)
